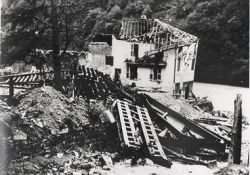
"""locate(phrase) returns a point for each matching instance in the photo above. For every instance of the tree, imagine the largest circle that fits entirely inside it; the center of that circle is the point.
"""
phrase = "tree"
(44, 24)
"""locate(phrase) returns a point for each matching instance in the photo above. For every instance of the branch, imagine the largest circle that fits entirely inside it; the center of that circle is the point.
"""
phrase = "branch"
(66, 30)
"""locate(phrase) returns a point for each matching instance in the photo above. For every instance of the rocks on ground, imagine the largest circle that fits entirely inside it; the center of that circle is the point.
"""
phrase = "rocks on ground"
(50, 133)
(233, 170)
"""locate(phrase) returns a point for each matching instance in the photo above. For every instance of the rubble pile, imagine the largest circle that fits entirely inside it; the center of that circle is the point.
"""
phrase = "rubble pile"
(70, 156)
(48, 110)
(181, 106)
(50, 133)
(203, 103)
(232, 170)
(216, 121)
(4, 108)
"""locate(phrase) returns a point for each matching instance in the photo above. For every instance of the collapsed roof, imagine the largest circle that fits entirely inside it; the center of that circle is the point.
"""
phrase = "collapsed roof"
(151, 29)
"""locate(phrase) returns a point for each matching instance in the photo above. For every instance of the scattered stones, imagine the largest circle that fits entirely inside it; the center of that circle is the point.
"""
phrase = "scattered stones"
(148, 162)
(59, 155)
(233, 170)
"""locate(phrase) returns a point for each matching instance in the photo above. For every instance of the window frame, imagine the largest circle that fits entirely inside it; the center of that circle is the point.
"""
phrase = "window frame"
(132, 53)
(155, 74)
(129, 73)
(193, 63)
(178, 64)
(107, 60)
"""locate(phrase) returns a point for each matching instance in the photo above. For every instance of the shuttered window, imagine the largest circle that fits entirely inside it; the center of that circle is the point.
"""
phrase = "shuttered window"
(132, 72)
(178, 64)
(193, 63)
(128, 74)
(155, 74)
(132, 50)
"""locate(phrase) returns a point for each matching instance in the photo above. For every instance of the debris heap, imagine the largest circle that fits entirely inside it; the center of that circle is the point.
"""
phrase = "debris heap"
(47, 110)
(50, 133)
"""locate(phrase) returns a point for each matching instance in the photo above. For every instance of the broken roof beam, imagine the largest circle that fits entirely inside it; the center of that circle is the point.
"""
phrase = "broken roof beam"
(184, 36)
(196, 127)
(134, 28)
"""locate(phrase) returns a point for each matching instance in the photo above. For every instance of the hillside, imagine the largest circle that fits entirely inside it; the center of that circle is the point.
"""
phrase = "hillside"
(221, 25)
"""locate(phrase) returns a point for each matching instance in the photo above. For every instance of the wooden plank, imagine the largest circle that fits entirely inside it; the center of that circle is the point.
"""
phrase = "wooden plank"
(157, 142)
(30, 78)
(124, 132)
(144, 129)
(34, 78)
(26, 78)
(14, 78)
(18, 79)
(22, 79)
(8, 76)
(130, 120)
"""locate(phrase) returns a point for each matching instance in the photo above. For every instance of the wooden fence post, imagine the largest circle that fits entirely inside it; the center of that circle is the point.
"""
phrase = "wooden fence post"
(235, 150)
(11, 88)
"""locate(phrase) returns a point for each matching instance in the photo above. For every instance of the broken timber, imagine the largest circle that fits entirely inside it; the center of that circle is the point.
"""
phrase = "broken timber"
(128, 114)
(198, 140)
(235, 150)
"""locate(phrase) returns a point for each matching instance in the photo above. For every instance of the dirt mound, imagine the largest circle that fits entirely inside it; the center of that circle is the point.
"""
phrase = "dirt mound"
(46, 111)
(53, 133)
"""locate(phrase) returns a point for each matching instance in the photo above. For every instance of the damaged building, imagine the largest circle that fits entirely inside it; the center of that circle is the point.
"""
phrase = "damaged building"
(147, 53)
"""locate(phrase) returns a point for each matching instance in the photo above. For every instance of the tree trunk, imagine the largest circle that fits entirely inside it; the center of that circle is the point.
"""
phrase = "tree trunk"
(55, 47)
(235, 150)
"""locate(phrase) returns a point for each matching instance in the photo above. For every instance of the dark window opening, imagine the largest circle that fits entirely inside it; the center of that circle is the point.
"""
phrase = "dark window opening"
(155, 74)
(109, 60)
(135, 50)
(117, 75)
(159, 56)
(179, 64)
(132, 50)
(193, 63)
(128, 74)
(177, 88)
(132, 72)
(179, 58)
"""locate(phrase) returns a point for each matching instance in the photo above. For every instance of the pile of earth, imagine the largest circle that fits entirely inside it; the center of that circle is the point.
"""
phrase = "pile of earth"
(47, 130)
(46, 111)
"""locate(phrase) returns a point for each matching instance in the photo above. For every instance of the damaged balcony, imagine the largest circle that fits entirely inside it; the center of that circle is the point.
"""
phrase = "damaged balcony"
(147, 60)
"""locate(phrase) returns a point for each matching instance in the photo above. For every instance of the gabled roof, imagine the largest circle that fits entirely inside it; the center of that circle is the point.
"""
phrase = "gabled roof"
(136, 29)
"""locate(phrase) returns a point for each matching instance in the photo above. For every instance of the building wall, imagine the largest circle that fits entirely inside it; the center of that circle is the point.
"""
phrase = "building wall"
(99, 50)
(121, 51)
(186, 74)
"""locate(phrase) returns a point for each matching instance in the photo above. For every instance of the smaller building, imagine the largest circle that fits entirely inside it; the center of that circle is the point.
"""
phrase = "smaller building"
(149, 53)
